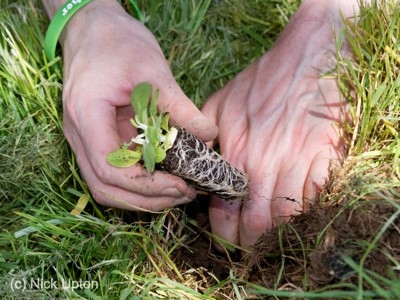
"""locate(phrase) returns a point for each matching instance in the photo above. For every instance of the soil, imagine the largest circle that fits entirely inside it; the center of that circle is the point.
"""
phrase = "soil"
(319, 244)
(314, 250)
(199, 252)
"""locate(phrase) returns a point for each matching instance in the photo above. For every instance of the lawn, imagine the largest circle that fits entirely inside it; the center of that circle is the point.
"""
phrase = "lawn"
(56, 242)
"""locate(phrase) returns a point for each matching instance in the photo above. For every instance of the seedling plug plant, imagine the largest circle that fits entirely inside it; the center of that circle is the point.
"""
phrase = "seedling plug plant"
(175, 150)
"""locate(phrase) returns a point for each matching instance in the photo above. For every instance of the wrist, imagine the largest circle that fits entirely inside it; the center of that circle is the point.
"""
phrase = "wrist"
(71, 19)
(52, 6)
(337, 8)
(87, 16)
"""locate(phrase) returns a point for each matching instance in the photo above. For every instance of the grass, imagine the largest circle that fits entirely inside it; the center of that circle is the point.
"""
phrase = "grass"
(124, 255)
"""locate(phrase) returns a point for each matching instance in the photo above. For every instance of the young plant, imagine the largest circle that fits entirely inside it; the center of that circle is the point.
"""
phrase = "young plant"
(154, 135)
(176, 150)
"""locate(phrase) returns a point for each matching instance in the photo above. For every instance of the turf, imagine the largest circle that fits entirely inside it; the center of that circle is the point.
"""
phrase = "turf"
(51, 229)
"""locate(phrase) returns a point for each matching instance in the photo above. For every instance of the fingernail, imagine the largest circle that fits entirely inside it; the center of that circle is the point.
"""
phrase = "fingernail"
(201, 123)
(183, 200)
(187, 196)
(173, 192)
(191, 192)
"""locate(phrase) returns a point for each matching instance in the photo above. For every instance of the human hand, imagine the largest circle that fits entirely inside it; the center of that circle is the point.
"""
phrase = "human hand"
(277, 122)
(106, 53)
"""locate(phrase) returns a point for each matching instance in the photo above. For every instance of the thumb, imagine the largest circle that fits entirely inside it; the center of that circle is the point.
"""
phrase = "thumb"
(184, 113)
(210, 109)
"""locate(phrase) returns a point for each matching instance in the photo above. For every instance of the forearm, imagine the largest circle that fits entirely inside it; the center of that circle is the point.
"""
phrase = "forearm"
(52, 6)
(349, 8)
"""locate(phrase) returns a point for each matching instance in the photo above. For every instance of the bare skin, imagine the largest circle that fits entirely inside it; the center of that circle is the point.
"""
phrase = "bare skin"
(114, 53)
(277, 122)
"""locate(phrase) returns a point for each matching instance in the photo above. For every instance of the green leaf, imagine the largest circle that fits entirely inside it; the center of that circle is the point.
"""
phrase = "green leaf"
(123, 158)
(153, 104)
(170, 138)
(134, 122)
(164, 122)
(160, 155)
(156, 122)
(149, 157)
(139, 149)
(140, 98)
(152, 135)
(144, 118)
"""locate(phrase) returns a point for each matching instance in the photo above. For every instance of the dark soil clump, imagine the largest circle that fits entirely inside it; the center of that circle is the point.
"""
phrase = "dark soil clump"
(321, 245)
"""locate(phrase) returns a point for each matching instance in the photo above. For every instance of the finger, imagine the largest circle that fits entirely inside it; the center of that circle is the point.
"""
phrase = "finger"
(256, 212)
(317, 177)
(224, 219)
(235, 120)
(102, 139)
(287, 199)
(114, 196)
(210, 109)
(184, 113)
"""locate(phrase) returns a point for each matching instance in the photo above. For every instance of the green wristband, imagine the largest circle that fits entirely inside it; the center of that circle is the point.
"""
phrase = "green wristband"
(58, 23)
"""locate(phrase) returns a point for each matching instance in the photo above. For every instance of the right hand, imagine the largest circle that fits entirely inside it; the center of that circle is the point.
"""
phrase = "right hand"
(106, 53)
